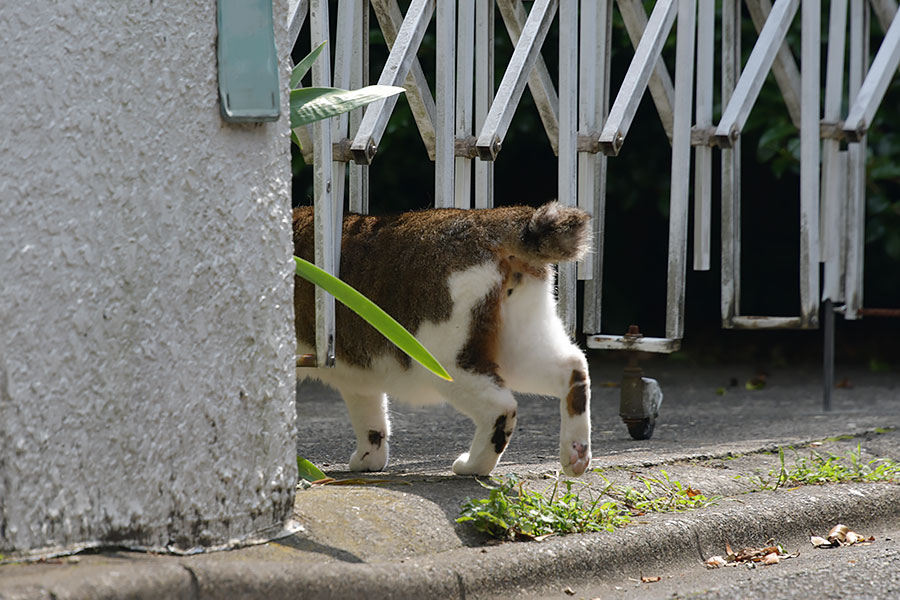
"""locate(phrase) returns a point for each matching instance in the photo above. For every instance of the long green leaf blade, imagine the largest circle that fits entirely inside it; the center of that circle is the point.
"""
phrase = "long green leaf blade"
(374, 315)
(309, 471)
(316, 103)
(304, 65)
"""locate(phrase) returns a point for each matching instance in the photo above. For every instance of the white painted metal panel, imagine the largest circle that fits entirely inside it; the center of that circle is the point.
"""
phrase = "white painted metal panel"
(445, 82)
(325, 227)
(681, 162)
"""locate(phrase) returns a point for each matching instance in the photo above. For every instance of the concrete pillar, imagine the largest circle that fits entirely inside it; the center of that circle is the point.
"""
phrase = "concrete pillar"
(146, 337)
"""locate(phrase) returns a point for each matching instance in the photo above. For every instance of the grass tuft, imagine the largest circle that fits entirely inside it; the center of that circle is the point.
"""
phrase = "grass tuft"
(513, 511)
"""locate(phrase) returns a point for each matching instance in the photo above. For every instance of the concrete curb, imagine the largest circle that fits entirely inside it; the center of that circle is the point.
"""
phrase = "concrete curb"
(664, 541)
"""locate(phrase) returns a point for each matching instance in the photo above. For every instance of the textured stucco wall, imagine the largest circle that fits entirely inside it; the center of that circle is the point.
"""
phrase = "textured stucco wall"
(146, 353)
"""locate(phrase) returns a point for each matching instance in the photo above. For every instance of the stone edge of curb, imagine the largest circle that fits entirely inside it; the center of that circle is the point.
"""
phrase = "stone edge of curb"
(665, 541)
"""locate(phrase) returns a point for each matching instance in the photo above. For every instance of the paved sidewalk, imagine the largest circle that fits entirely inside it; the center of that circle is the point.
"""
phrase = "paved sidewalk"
(399, 539)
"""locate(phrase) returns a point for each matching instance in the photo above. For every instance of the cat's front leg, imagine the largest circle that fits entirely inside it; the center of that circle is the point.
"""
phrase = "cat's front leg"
(368, 414)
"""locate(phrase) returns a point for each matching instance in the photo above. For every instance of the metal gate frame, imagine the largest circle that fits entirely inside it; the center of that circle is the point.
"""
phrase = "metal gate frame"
(469, 120)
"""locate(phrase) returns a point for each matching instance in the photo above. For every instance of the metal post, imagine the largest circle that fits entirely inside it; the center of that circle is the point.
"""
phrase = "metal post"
(444, 126)
(809, 163)
(359, 77)
(833, 193)
(465, 82)
(706, 37)
(484, 95)
(731, 169)
(595, 57)
(828, 355)
(681, 162)
(856, 151)
(326, 249)
(568, 152)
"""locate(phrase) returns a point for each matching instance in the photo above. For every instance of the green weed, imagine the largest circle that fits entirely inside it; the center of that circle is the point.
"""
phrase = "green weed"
(818, 469)
(512, 511)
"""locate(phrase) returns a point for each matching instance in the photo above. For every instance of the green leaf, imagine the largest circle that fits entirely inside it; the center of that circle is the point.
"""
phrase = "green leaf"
(304, 65)
(369, 311)
(317, 103)
(308, 471)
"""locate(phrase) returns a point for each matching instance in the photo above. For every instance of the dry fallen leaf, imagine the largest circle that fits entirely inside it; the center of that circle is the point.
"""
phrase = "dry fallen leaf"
(820, 542)
(650, 579)
(692, 493)
(569, 591)
(714, 562)
(771, 559)
(838, 533)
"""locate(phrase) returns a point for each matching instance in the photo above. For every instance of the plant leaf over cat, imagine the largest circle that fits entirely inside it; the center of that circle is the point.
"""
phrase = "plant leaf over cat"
(374, 315)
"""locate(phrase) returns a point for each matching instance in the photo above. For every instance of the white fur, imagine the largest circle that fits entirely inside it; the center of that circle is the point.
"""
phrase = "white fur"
(535, 356)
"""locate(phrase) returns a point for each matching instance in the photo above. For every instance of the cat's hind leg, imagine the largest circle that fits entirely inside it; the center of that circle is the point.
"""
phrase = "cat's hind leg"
(368, 414)
(493, 410)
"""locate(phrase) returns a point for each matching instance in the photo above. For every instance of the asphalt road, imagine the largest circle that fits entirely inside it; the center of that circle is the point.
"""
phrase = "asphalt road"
(857, 572)
(704, 408)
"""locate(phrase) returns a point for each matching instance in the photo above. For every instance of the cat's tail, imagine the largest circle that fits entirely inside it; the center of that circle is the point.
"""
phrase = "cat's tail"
(555, 233)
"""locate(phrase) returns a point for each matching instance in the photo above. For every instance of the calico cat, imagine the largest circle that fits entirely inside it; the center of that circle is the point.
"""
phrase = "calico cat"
(476, 288)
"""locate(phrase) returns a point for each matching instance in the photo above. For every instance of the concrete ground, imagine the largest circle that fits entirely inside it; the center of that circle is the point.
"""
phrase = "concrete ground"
(394, 534)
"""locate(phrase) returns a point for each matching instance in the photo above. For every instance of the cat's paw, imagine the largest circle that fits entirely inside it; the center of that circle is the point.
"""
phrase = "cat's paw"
(465, 466)
(373, 459)
(575, 458)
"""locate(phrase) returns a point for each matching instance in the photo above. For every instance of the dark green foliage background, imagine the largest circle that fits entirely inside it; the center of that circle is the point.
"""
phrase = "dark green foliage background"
(636, 228)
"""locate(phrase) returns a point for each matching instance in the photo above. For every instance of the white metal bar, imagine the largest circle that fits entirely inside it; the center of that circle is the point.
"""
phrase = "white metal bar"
(834, 187)
(886, 61)
(747, 322)
(324, 225)
(484, 95)
(856, 213)
(400, 60)
(632, 89)
(809, 161)
(731, 169)
(681, 163)
(834, 271)
(706, 37)
(568, 151)
(345, 33)
(660, 84)
(297, 11)
(592, 169)
(785, 70)
(540, 84)
(465, 84)
(444, 125)
(642, 344)
(359, 77)
(591, 39)
(513, 83)
(758, 66)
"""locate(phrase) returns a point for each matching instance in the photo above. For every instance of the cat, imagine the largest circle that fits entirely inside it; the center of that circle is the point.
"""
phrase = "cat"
(476, 288)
